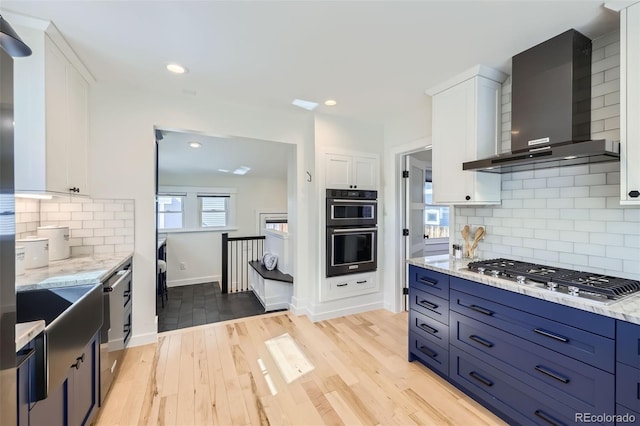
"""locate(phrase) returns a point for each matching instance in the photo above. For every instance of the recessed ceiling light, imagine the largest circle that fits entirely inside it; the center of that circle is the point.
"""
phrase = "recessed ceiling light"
(330, 102)
(177, 68)
(223, 170)
(195, 144)
(308, 105)
(242, 170)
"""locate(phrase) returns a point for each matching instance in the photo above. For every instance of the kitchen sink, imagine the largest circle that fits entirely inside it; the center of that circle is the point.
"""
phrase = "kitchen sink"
(72, 316)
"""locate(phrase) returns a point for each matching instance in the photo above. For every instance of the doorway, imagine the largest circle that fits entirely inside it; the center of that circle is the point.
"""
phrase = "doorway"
(426, 222)
(207, 186)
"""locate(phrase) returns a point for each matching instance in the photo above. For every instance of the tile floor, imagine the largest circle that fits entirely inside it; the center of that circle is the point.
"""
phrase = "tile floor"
(203, 304)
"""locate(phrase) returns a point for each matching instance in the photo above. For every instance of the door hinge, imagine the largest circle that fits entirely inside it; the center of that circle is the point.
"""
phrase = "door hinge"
(405, 174)
(405, 232)
(405, 290)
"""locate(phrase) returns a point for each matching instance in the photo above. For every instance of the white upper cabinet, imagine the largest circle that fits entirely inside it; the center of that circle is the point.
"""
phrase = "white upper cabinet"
(630, 105)
(351, 172)
(51, 114)
(466, 127)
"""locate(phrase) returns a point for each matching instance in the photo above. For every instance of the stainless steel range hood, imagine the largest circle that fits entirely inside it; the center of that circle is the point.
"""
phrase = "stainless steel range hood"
(569, 154)
(551, 110)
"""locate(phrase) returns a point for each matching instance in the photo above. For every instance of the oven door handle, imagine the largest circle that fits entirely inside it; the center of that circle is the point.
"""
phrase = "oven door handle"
(335, 200)
(343, 230)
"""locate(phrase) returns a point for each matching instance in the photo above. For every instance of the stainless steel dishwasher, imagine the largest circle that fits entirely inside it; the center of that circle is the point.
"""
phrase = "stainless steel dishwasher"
(116, 327)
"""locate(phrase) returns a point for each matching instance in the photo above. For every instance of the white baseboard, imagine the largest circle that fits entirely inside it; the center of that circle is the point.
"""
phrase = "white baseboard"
(350, 310)
(191, 281)
(143, 339)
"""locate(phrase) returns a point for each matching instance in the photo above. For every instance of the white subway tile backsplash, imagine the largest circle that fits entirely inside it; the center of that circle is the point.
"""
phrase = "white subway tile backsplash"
(546, 193)
(590, 226)
(590, 203)
(574, 236)
(604, 238)
(522, 252)
(120, 248)
(533, 203)
(86, 220)
(534, 244)
(560, 246)
(612, 98)
(605, 263)
(632, 215)
(625, 253)
(631, 267)
(591, 250)
(562, 181)
(592, 179)
(560, 203)
(546, 234)
(534, 183)
(574, 260)
(553, 172)
(606, 214)
(612, 74)
(575, 192)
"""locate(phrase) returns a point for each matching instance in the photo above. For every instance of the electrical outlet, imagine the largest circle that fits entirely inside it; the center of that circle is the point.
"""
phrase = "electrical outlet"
(183, 266)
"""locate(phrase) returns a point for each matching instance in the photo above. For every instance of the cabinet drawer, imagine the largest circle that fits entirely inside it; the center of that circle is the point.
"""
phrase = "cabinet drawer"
(429, 305)
(579, 386)
(567, 340)
(431, 354)
(628, 386)
(349, 286)
(628, 343)
(516, 399)
(429, 328)
(587, 321)
(626, 412)
(429, 281)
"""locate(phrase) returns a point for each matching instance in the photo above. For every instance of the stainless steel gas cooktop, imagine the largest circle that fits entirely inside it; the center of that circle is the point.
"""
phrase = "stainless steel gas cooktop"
(585, 285)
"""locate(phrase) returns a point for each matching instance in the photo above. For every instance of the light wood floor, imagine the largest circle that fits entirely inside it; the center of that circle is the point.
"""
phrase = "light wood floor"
(210, 375)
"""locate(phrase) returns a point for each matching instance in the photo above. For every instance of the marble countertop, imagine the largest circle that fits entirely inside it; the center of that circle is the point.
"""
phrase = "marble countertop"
(72, 271)
(627, 310)
(26, 331)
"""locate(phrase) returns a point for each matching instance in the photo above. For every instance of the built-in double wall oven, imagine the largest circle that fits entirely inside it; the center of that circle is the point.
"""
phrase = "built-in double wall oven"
(352, 231)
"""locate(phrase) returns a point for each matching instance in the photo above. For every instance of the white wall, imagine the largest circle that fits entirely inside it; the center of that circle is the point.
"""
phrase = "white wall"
(201, 251)
(121, 165)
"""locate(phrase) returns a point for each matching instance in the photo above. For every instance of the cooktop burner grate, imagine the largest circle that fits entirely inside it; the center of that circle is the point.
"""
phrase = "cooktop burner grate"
(604, 285)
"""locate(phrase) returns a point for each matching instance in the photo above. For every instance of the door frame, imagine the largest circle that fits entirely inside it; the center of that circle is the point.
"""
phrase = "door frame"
(394, 263)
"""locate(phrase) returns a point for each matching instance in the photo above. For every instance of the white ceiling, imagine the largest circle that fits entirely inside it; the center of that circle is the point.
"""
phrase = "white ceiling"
(266, 159)
(376, 58)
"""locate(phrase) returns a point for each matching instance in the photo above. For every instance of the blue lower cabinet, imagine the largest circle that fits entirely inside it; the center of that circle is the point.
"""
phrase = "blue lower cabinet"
(24, 365)
(627, 416)
(628, 386)
(429, 328)
(514, 400)
(432, 355)
(628, 343)
(432, 282)
(75, 402)
(429, 305)
(51, 411)
(580, 386)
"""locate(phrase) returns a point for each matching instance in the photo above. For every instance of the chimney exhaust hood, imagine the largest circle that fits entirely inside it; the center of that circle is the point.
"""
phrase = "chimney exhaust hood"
(551, 110)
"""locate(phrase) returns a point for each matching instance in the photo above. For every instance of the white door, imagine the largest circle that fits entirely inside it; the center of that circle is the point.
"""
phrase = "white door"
(414, 206)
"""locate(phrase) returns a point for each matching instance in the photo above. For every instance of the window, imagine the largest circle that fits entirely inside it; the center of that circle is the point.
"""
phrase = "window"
(214, 211)
(170, 211)
(436, 218)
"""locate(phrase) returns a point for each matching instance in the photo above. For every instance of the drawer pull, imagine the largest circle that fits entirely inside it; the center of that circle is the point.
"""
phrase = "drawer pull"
(552, 374)
(342, 285)
(481, 379)
(361, 282)
(480, 340)
(424, 280)
(551, 335)
(481, 310)
(428, 352)
(428, 329)
(547, 418)
(428, 305)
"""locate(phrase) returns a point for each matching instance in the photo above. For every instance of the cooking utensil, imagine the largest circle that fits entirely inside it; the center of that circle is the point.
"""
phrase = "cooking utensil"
(480, 233)
(466, 231)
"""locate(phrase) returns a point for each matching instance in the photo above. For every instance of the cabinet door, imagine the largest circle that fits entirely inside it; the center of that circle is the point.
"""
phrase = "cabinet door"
(77, 97)
(23, 379)
(630, 105)
(453, 112)
(56, 118)
(338, 169)
(83, 387)
(365, 172)
(51, 411)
